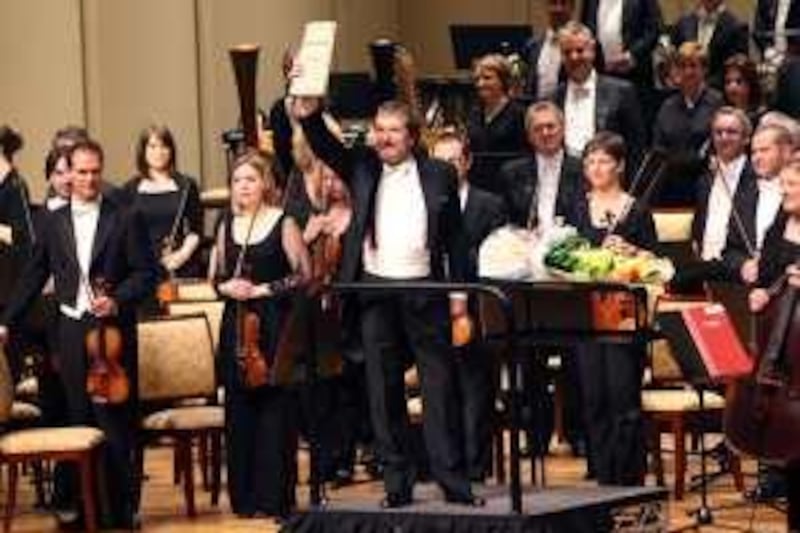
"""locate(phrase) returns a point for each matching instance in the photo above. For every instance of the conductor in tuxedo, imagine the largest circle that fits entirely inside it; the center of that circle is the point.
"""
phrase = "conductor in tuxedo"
(594, 102)
(93, 238)
(483, 212)
(406, 220)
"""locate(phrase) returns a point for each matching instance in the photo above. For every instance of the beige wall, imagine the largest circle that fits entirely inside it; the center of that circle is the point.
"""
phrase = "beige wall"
(42, 87)
(117, 65)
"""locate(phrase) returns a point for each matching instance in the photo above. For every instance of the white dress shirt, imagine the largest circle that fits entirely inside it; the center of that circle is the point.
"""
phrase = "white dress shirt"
(463, 195)
(579, 114)
(706, 24)
(548, 170)
(401, 226)
(56, 202)
(770, 196)
(549, 65)
(719, 209)
(84, 223)
(781, 16)
(609, 27)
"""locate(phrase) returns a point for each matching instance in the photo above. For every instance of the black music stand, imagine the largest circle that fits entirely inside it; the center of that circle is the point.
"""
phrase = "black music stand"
(694, 363)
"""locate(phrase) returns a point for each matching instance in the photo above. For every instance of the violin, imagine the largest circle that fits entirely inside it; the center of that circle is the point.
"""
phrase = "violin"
(762, 410)
(106, 379)
(253, 366)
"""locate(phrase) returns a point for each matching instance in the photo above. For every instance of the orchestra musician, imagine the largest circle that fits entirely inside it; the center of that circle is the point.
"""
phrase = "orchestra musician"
(683, 124)
(718, 31)
(611, 375)
(169, 202)
(482, 213)
(496, 125)
(594, 102)
(543, 54)
(540, 188)
(742, 87)
(406, 217)
(52, 396)
(540, 185)
(770, 151)
(258, 258)
(726, 189)
(316, 198)
(779, 257)
(92, 238)
(16, 230)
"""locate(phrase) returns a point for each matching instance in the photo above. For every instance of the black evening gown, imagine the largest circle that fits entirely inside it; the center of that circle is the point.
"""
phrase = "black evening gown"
(610, 375)
(260, 431)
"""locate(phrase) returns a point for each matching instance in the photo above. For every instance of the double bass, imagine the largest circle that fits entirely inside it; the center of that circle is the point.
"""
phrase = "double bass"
(762, 410)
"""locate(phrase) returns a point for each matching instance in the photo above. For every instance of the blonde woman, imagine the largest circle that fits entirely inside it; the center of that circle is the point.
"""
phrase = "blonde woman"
(259, 257)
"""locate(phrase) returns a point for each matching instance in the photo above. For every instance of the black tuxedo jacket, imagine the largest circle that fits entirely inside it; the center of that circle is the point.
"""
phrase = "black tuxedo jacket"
(736, 250)
(787, 95)
(361, 169)
(533, 49)
(483, 213)
(641, 23)
(121, 254)
(617, 109)
(744, 202)
(730, 37)
(520, 179)
(764, 23)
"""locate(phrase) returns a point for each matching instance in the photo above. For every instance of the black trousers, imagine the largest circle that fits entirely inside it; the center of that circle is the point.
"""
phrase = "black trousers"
(261, 444)
(116, 487)
(392, 325)
(474, 380)
(611, 377)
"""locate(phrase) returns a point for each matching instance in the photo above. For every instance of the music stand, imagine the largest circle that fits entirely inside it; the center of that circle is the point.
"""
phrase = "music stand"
(709, 352)
(475, 40)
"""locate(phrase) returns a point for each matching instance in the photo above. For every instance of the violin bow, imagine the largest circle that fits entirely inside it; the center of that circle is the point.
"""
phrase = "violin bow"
(653, 157)
(737, 218)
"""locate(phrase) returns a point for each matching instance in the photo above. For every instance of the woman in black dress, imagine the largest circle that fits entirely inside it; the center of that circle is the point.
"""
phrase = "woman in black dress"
(496, 125)
(169, 202)
(16, 228)
(780, 254)
(611, 374)
(259, 254)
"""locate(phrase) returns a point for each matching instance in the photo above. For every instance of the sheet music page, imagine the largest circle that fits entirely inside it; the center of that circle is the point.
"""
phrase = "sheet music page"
(315, 55)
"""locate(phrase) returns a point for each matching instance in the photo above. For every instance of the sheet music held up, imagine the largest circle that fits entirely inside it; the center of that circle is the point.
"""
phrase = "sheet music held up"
(315, 55)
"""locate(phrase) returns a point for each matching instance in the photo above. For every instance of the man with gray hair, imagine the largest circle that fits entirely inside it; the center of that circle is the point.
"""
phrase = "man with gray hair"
(725, 191)
(593, 102)
(540, 185)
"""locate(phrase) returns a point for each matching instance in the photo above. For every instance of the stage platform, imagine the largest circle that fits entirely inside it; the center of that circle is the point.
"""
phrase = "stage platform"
(573, 510)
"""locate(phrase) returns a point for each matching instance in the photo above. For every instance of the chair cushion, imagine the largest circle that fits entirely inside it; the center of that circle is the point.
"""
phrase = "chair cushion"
(185, 418)
(24, 411)
(679, 400)
(47, 440)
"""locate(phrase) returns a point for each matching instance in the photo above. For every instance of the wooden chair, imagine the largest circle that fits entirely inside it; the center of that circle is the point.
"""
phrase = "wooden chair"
(670, 405)
(177, 363)
(76, 444)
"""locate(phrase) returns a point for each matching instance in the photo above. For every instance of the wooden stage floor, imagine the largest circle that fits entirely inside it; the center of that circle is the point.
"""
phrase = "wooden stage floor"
(163, 511)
